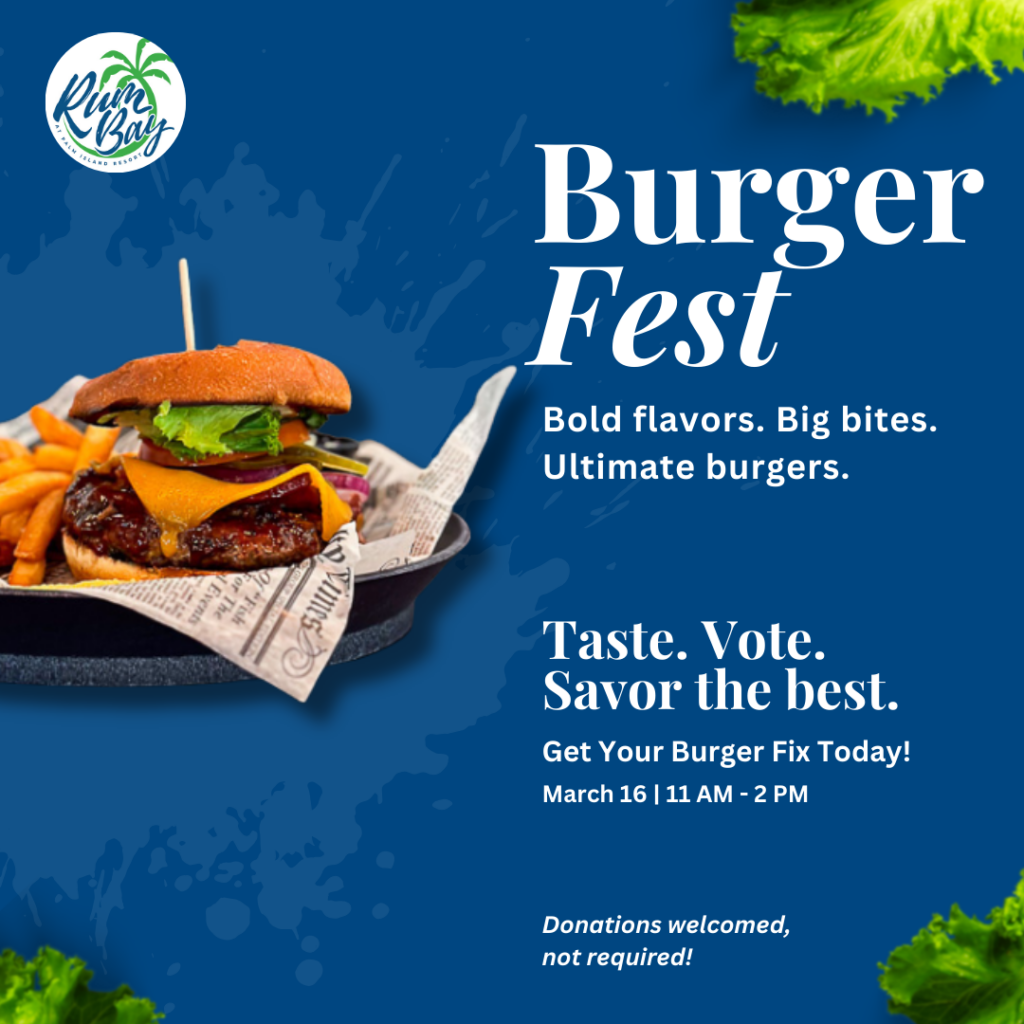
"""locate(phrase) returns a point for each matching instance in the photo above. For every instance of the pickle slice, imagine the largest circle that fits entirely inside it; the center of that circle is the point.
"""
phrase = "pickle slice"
(299, 453)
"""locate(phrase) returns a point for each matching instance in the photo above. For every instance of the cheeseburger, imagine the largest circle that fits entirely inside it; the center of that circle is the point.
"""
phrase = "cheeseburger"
(225, 478)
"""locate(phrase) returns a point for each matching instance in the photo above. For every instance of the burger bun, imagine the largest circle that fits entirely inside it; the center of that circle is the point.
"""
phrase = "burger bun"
(85, 564)
(249, 373)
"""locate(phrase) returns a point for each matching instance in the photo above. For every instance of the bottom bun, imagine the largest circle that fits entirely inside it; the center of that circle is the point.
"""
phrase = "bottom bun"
(85, 564)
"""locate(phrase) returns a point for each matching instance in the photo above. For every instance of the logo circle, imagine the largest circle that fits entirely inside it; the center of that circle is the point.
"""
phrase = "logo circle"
(115, 102)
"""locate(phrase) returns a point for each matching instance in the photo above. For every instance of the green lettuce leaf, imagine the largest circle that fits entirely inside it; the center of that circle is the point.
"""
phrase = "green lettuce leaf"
(874, 52)
(218, 429)
(16, 979)
(962, 971)
(191, 432)
(63, 995)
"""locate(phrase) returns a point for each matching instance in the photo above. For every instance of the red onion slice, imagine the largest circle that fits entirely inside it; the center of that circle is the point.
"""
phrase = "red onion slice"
(354, 500)
(233, 475)
(348, 482)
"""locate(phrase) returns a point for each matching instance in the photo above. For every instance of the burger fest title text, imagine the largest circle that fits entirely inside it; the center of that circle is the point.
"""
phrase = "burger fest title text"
(804, 193)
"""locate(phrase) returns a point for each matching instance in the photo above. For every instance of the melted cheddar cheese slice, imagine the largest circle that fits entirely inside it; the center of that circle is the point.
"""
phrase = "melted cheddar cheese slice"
(179, 499)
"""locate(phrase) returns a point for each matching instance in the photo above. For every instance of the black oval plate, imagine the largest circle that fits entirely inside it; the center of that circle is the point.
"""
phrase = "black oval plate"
(60, 638)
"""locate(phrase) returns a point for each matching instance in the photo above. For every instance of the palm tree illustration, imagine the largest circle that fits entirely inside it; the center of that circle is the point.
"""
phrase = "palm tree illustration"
(139, 70)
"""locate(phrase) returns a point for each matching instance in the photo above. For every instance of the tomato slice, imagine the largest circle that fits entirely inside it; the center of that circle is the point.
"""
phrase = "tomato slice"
(292, 432)
(150, 452)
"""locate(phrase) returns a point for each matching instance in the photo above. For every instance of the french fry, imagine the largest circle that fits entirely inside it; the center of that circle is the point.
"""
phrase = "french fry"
(6, 553)
(54, 430)
(15, 467)
(41, 528)
(26, 573)
(22, 491)
(54, 456)
(11, 449)
(98, 444)
(12, 524)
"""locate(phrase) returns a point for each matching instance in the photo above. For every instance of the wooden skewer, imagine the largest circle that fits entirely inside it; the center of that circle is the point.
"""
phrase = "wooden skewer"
(186, 306)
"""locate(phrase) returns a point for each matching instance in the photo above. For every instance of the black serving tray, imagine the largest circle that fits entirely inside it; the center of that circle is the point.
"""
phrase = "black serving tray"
(61, 638)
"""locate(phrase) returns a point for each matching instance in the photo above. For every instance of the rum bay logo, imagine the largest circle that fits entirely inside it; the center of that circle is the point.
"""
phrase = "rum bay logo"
(112, 111)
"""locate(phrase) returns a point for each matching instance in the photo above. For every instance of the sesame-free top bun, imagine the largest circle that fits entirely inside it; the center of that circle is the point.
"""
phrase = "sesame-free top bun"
(249, 373)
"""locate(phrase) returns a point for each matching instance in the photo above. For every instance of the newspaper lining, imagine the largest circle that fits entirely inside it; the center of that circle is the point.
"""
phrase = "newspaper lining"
(281, 625)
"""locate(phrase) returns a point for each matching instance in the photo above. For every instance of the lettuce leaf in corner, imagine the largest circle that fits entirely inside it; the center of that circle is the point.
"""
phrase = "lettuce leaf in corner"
(962, 971)
(63, 995)
(874, 52)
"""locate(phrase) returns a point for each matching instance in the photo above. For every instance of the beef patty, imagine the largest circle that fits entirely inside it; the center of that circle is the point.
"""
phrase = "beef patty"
(102, 512)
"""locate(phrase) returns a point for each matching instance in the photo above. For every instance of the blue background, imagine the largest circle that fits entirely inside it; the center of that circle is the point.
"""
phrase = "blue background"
(383, 852)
